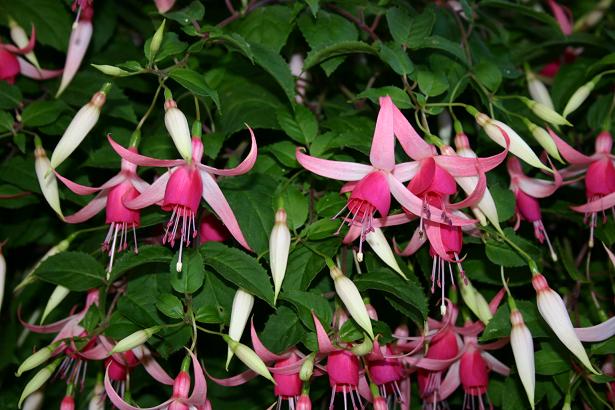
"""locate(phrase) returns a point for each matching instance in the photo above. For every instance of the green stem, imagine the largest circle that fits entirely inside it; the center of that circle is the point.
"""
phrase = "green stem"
(522, 253)
(151, 106)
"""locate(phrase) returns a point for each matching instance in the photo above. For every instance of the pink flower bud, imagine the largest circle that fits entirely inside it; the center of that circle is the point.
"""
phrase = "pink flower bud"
(380, 403)
(68, 403)
(304, 403)
(212, 229)
(181, 385)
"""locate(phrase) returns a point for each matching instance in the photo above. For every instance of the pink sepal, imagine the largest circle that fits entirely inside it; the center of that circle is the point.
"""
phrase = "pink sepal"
(570, 154)
(341, 170)
(86, 190)
(597, 333)
(96, 205)
(324, 343)
(35, 73)
(265, 354)
(142, 160)
(25, 50)
(242, 168)
(152, 366)
(597, 205)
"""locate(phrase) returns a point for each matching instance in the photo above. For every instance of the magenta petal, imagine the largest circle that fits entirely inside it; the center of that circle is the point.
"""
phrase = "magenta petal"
(143, 160)
(35, 73)
(382, 153)
(265, 354)
(215, 198)
(152, 366)
(242, 168)
(324, 343)
(598, 205)
(237, 380)
(436, 241)
(152, 194)
(597, 333)
(409, 139)
(86, 190)
(341, 170)
(199, 392)
(120, 403)
(570, 154)
(96, 205)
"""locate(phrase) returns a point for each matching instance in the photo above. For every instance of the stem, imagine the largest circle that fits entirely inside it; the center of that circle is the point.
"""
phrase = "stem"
(522, 253)
(197, 109)
(151, 106)
(355, 20)
(212, 332)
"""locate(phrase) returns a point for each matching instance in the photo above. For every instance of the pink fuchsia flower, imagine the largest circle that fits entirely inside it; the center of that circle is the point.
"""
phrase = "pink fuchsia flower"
(386, 372)
(112, 196)
(599, 176)
(181, 188)
(181, 398)
(371, 186)
(526, 191)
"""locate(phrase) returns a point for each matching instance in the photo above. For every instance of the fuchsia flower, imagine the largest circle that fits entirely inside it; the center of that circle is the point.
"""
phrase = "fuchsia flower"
(599, 176)
(180, 190)
(526, 191)
(112, 196)
(11, 65)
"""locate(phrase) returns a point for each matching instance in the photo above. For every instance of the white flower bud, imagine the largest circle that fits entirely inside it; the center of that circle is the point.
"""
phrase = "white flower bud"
(47, 179)
(523, 351)
(57, 296)
(178, 128)
(381, 247)
(538, 90)
(38, 380)
(445, 127)
(36, 359)
(81, 124)
(242, 307)
(97, 402)
(34, 401)
(248, 357)
(21, 39)
(279, 247)
(352, 300)
(553, 311)
(544, 139)
(136, 339)
(60, 247)
(579, 96)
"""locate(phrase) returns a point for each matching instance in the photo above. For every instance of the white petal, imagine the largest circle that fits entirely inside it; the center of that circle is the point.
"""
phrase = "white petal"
(77, 130)
(523, 351)
(539, 92)
(177, 125)
(279, 246)
(242, 307)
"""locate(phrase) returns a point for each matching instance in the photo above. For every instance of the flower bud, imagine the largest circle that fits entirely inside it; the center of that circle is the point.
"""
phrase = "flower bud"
(57, 296)
(46, 179)
(474, 300)
(538, 90)
(363, 348)
(544, 139)
(580, 95)
(307, 368)
(68, 403)
(304, 402)
(553, 311)
(38, 380)
(546, 113)
(154, 45)
(60, 247)
(445, 127)
(593, 17)
(248, 357)
(37, 359)
(34, 401)
(350, 296)
(97, 402)
(242, 307)
(136, 339)
(523, 351)
(177, 126)
(20, 38)
(279, 247)
(81, 124)
(381, 247)
(380, 403)
(111, 70)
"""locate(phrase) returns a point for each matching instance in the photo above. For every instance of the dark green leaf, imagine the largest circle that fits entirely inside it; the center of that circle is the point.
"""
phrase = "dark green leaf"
(267, 26)
(193, 12)
(275, 65)
(396, 58)
(147, 254)
(10, 96)
(282, 330)
(301, 126)
(400, 97)
(338, 49)
(195, 83)
(74, 270)
(306, 302)
(500, 253)
(170, 306)
(42, 113)
(192, 274)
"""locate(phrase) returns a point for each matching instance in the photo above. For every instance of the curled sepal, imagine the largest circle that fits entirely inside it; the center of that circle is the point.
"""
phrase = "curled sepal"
(248, 357)
(279, 247)
(523, 351)
(242, 307)
(38, 380)
(350, 296)
(135, 339)
(47, 179)
(178, 128)
(598, 333)
(78, 44)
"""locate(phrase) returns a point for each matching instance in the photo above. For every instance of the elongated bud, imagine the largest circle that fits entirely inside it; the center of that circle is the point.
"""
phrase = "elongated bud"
(538, 90)
(593, 17)
(307, 368)
(57, 296)
(279, 247)
(523, 350)
(177, 125)
(47, 179)
(154, 46)
(242, 307)
(381, 247)
(580, 95)
(68, 403)
(20, 38)
(363, 348)
(78, 44)
(351, 298)
(97, 402)
(553, 311)
(304, 402)
(544, 139)
(136, 339)
(518, 147)
(34, 401)
(111, 70)
(60, 247)
(36, 359)
(38, 380)
(2, 276)
(81, 124)
(474, 300)
(248, 357)
(546, 113)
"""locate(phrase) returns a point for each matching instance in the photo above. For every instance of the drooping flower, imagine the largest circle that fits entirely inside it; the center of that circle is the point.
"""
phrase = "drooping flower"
(180, 189)
(279, 247)
(599, 171)
(526, 191)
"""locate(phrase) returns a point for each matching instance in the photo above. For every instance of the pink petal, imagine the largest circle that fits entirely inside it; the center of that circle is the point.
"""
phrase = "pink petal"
(324, 343)
(459, 166)
(78, 44)
(86, 190)
(414, 245)
(597, 333)
(410, 141)
(50, 328)
(495, 365)
(237, 380)
(451, 382)
(565, 23)
(533, 187)
(242, 168)
(497, 299)
(292, 368)
(143, 160)
(152, 194)
(435, 365)
(99, 352)
(570, 154)
(199, 392)
(382, 153)
(265, 354)
(215, 198)
(341, 170)
(139, 184)
(476, 195)
(96, 205)
(152, 366)
(406, 170)
(35, 73)
(598, 205)
(120, 403)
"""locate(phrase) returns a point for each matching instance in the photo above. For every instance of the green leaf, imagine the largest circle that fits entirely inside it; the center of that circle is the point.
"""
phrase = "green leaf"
(296, 204)
(195, 83)
(51, 19)
(549, 362)
(489, 74)
(192, 274)
(300, 125)
(76, 271)
(396, 58)
(284, 151)
(306, 302)
(147, 254)
(235, 40)
(138, 303)
(304, 264)
(239, 268)
(10, 96)
(431, 83)
(170, 306)
(212, 304)
(443, 44)
(338, 49)
(504, 201)
(400, 97)
(6, 121)
(400, 24)
(321, 229)
(275, 65)
(500, 253)
(314, 6)
(42, 113)
(267, 26)
(193, 12)
(499, 326)
(282, 330)
(326, 29)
